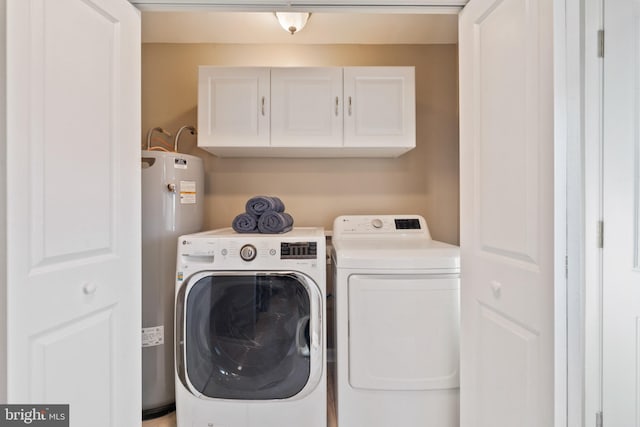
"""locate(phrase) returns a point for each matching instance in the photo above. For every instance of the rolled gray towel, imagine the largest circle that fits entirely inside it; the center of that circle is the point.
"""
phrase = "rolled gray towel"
(272, 222)
(245, 223)
(258, 205)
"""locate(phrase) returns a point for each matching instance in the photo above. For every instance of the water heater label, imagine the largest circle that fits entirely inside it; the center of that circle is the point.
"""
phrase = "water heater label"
(187, 192)
(180, 163)
(153, 336)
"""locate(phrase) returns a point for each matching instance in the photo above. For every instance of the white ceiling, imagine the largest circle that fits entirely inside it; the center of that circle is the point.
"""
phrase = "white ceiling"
(322, 28)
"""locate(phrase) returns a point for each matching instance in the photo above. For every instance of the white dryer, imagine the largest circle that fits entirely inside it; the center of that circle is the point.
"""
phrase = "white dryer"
(250, 329)
(397, 323)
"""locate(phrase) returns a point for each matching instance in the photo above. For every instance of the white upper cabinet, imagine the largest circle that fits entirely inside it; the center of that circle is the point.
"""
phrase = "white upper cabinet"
(233, 106)
(380, 107)
(306, 112)
(306, 107)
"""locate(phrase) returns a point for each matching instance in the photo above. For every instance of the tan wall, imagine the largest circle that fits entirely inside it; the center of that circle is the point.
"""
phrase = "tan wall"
(423, 181)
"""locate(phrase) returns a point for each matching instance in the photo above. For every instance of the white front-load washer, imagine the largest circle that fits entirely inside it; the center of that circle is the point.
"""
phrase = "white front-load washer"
(250, 329)
(397, 323)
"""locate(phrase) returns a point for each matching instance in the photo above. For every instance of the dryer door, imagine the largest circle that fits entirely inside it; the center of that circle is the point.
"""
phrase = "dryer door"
(249, 336)
(403, 331)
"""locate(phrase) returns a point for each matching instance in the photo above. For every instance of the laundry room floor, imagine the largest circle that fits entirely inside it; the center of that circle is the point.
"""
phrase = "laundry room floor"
(169, 420)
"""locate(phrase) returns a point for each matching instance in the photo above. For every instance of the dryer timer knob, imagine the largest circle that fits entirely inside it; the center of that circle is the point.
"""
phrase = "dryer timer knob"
(248, 252)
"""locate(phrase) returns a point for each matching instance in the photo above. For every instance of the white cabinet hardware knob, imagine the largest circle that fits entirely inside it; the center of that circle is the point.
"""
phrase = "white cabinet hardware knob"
(89, 288)
(496, 287)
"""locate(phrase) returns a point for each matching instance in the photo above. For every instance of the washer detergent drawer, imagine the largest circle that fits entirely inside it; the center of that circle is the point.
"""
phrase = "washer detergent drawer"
(404, 332)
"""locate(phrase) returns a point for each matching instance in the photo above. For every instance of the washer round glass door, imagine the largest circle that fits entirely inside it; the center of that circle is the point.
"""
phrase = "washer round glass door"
(247, 335)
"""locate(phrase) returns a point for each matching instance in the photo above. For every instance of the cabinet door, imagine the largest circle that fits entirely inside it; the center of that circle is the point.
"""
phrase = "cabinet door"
(233, 107)
(379, 108)
(306, 107)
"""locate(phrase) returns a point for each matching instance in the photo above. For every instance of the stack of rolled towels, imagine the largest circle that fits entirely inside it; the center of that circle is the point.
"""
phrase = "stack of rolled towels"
(263, 214)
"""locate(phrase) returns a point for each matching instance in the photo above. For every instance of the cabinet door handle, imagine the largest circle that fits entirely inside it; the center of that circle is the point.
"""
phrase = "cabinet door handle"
(262, 106)
(337, 104)
(349, 105)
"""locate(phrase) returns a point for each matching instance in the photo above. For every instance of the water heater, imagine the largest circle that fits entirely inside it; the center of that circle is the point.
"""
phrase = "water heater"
(172, 205)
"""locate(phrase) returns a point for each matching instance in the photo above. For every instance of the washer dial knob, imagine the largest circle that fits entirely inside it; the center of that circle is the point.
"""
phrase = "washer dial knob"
(248, 252)
(377, 223)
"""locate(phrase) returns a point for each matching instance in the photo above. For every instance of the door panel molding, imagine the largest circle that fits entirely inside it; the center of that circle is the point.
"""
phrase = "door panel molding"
(507, 167)
(516, 342)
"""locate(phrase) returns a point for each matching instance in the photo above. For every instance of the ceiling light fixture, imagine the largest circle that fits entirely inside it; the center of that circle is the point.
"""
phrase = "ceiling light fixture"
(292, 22)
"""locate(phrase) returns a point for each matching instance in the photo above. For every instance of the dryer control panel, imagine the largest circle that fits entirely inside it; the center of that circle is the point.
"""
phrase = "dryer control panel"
(375, 225)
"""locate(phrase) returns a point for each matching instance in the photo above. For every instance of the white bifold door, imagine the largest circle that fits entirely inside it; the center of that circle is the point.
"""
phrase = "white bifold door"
(621, 215)
(506, 217)
(72, 310)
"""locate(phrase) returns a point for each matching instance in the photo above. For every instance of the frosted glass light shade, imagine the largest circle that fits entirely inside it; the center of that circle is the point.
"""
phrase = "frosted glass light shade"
(292, 22)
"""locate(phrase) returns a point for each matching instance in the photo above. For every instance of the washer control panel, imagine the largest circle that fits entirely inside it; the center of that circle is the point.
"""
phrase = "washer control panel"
(298, 250)
(248, 252)
(231, 251)
(223, 249)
